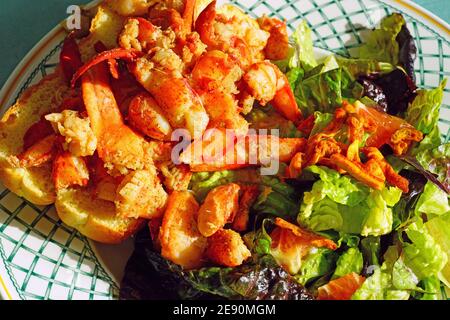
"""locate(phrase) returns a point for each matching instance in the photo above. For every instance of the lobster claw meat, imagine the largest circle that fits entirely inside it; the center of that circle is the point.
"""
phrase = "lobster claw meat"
(192, 10)
(117, 53)
(69, 170)
(112, 63)
(267, 83)
(41, 152)
(117, 144)
(224, 151)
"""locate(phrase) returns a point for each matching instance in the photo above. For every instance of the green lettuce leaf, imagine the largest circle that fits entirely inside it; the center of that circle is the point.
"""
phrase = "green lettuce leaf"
(379, 217)
(433, 201)
(341, 189)
(423, 255)
(402, 277)
(316, 264)
(371, 249)
(350, 261)
(439, 229)
(381, 44)
(432, 288)
(325, 87)
(423, 113)
(259, 241)
(321, 121)
(364, 219)
(320, 92)
(323, 214)
(350, 240)
(437, 161)
(393, 281)
(431, 141)
(369, 102)
(374, 287)
(391, 195)
(330, 63)
(364, 67)
(304, 56)
(342, 204)
(203, 182)
(404, 210)
(277, 198)
(294, 76)
(351, 89)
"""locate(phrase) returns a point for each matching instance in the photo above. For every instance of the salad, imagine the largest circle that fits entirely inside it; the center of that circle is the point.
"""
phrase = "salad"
(360, 213)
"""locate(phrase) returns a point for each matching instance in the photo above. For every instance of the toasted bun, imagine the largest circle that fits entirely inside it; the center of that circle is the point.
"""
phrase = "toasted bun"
(105, 27)
(33, 184)
(94, 218)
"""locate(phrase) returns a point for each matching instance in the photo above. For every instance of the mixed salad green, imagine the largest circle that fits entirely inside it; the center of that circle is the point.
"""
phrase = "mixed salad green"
(399, 242)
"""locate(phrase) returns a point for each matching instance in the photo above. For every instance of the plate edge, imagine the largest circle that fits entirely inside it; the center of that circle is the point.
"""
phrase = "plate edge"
(425, 13)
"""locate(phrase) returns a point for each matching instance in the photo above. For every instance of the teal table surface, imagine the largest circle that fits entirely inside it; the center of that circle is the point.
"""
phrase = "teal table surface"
(24, 22)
